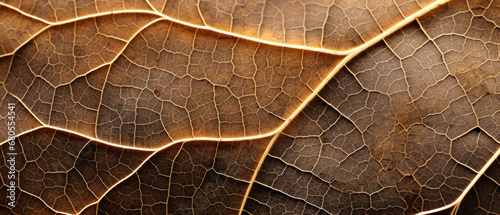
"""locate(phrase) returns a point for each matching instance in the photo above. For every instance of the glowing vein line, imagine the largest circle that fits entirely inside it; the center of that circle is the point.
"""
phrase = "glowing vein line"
(471, 184)
(384, 34)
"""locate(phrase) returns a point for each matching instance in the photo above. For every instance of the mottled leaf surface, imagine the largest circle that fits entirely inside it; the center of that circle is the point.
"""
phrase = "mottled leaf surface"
(251, 107)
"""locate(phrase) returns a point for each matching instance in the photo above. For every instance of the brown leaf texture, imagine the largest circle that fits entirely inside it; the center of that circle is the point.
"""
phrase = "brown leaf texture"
(251, 107)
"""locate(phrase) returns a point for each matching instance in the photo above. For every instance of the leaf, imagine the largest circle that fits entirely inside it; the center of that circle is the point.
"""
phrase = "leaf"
(251, 107)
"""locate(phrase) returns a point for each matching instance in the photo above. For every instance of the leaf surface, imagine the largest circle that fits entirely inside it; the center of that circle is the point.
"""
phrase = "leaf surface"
(251, 107)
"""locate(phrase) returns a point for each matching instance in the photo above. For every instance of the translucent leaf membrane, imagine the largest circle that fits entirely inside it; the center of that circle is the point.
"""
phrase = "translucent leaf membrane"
(164, 83)
(60, 11)
(340, 25)
(57, 66)
(190, 83)
(337, 25)
(21, 113)
(112, 109)
(17, 29)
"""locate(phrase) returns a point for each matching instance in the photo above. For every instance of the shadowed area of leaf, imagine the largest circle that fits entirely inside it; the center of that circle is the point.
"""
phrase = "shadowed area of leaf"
(68, 174)
(483, 197)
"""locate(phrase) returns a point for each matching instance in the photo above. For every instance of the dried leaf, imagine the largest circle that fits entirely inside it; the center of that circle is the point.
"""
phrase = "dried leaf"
(251, 107)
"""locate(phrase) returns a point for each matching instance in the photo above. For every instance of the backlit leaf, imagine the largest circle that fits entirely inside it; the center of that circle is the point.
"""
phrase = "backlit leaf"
(250, 107)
